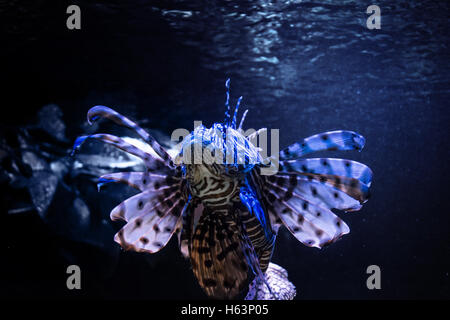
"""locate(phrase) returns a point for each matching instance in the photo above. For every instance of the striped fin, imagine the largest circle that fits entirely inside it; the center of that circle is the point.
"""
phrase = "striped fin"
(105, 112)
(353, 187)
(114, 141)
(217, 257)
(151, 225)
(311, 224)
(147, 202)
(332, 140)
(329, 166)
(154, 214)
(138, 180)
(152, 163)
(313, 191)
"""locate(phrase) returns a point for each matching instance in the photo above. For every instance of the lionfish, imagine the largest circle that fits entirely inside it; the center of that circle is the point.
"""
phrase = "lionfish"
(227, 214)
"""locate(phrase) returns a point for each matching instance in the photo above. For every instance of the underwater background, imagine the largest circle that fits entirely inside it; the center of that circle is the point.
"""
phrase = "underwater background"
(303, 67)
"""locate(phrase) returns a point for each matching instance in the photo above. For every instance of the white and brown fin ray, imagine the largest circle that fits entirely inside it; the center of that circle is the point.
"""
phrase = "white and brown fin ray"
(331, 140)
(105, 112)
(151, 221)
(217, 257)
(139, 180)
(150, 201)
(294, 202)
(152, 163)
(351, 186)
(133, 179)
(114, 141)
(311, 224)
(330, 166)
(153, 215)
(313, 190)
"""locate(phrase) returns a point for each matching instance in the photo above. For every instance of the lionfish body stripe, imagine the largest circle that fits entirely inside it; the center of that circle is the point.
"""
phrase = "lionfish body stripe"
(224, 211)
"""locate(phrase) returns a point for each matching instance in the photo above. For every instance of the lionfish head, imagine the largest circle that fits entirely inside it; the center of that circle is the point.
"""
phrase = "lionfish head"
(222, 146)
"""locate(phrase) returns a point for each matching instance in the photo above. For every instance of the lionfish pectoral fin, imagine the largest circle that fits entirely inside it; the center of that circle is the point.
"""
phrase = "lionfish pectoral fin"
(133, 179)
(331, 140)
(217, 256)
(333, 177)
(154, 214)
(152, 218)
(152, 163)
(302, 211)
(303, 192)
(330, 166)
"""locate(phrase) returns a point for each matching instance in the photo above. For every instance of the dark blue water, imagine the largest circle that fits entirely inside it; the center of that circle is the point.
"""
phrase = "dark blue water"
(303, 67)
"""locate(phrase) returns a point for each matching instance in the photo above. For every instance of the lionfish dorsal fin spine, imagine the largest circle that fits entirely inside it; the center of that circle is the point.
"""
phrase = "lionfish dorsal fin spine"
(227, 103)
(242, 120)
(233, 123)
